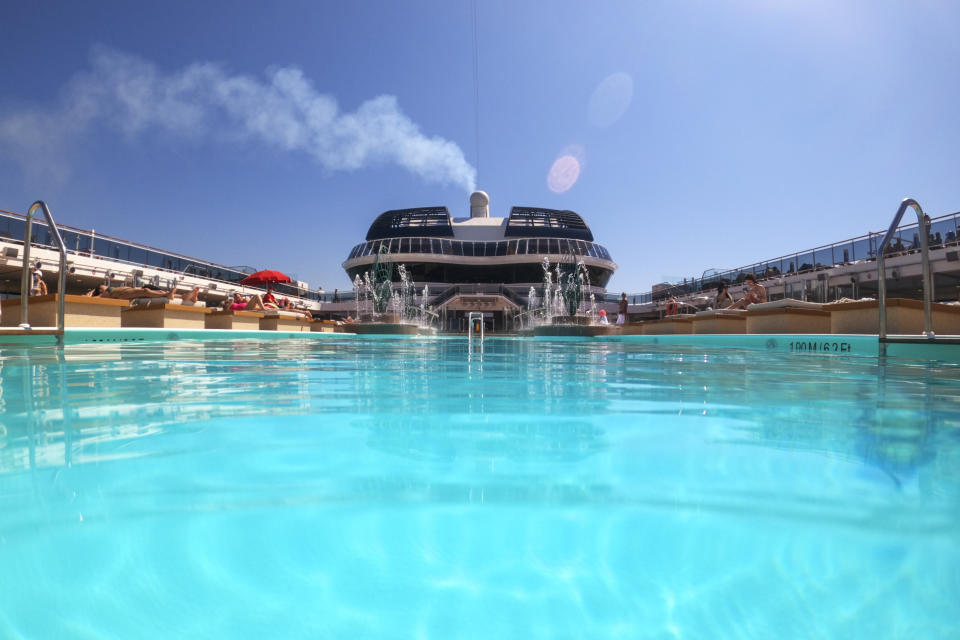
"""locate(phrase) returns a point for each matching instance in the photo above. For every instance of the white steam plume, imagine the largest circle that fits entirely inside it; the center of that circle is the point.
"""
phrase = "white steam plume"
(283, 110)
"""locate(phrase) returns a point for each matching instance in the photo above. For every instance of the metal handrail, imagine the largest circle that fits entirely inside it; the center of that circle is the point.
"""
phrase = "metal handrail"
(925, 258)
(25, 279)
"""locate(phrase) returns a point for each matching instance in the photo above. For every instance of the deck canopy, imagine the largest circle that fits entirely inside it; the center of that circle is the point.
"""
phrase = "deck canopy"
(532, 222)
(432, 222)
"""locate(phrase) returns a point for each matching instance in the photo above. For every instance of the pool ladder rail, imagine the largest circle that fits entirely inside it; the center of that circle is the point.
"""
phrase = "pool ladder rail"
(25, 278)
(923, 224)
(475, 318)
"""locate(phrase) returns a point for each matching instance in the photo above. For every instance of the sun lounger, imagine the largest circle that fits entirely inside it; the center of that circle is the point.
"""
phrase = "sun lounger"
(904, 317)
(165, 316)
(78, 311)
(787, 316)
(670, 325)
(720, 321)
(238, 320)
(146, 302)
(279, 320)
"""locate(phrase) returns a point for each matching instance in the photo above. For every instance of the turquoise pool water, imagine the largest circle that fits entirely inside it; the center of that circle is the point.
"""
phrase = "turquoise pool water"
(406, 488)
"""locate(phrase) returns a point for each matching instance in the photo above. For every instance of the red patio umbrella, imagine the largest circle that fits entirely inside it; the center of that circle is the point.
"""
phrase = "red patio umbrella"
(267, 276)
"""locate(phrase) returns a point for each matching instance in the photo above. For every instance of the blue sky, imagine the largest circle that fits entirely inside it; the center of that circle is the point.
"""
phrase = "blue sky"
(707, 134)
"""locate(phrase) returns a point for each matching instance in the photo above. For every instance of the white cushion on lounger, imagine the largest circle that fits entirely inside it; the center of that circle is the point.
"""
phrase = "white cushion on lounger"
(786, 303)
(198, 303)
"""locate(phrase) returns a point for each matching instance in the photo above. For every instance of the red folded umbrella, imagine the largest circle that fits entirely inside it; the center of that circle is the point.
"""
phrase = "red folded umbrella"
(267, 276)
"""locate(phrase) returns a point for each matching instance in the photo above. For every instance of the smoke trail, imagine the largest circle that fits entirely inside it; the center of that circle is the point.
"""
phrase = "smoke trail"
(282, 110)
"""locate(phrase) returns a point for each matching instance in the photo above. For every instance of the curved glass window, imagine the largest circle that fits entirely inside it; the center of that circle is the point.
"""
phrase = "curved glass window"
(442, 246)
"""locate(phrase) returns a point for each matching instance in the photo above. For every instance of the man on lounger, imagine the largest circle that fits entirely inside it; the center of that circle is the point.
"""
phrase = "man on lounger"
(755, 294)
(131, 293)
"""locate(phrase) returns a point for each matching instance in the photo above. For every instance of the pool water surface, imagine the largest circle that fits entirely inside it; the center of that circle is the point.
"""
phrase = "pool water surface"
(418, 488)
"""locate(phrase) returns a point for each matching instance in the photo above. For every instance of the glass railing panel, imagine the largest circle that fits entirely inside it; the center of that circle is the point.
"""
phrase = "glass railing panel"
(939, 230)
(805, 262)
(861, 250)
(843, 253)
(952, 236)
(769, 269)
(501, 248)
(823, 258)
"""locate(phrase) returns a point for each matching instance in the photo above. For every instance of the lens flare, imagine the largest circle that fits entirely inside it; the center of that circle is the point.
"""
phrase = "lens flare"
(610, 100)
(563, 174)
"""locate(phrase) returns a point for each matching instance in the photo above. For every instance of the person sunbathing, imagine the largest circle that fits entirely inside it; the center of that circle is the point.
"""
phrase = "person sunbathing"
(127, 293)
(755, 294)
(190, 298)
(270, 302)
(253, 303)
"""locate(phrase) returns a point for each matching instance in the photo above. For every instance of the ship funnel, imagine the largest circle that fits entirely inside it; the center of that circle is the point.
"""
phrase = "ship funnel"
(479, 204)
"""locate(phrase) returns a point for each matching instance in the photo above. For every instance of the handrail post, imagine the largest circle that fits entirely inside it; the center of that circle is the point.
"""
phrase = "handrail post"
(925, 276)
(25, 278)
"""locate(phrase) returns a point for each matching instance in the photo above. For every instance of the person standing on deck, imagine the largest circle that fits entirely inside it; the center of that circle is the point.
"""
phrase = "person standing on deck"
(622, 312)
(37, 286)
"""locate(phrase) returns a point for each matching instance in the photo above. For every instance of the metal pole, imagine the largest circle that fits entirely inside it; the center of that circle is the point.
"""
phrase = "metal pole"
(25, 279)
(925, 261)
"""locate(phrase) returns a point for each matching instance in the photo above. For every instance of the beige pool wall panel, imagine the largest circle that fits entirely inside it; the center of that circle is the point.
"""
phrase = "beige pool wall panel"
(719, 323)
(233, 320)
(904, 317)
(78, 312)
(284, 323)
(673, 325)
(788, 320)
(165, 316)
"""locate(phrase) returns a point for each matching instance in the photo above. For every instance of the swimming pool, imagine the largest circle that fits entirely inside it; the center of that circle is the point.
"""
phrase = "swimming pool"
(383, 488)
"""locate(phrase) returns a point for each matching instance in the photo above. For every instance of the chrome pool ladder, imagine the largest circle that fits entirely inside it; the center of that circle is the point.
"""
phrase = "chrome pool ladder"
(475, 316)
(925, 258)
(26, 277)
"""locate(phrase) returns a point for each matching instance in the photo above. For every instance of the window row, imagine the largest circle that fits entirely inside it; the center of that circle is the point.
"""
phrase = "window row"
(82, 243)
(443, 246)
